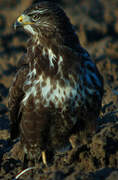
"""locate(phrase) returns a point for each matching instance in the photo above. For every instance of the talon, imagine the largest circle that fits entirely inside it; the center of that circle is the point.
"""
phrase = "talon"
(44, 157)
(72, 142)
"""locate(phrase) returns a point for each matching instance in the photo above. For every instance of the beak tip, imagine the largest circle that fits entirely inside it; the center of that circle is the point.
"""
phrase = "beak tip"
(17, 25)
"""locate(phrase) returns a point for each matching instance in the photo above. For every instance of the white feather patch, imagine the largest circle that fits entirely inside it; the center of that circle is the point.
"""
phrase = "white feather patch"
(29, 29)
(60, 63)
(32, 90)
(52, 57)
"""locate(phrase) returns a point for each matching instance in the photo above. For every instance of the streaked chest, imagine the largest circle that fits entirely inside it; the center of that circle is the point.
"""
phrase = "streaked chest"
(48, 91)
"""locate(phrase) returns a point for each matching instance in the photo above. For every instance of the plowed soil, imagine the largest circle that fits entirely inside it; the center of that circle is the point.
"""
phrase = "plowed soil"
(96, 23)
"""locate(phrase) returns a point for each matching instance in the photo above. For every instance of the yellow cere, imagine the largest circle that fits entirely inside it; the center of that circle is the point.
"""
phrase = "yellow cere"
(20, 19)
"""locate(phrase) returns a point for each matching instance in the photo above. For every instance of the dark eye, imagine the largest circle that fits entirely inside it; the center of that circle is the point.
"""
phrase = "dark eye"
(35, 17)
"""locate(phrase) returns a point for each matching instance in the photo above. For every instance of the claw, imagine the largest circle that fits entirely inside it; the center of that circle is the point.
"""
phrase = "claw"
(44, 157)
(72, 142)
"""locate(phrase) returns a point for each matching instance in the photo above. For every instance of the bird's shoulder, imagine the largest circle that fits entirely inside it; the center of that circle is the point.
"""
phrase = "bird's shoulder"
(22, 61)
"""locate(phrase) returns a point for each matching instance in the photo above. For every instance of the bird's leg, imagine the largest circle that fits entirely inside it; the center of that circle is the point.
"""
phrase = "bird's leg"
(44, 157)
(68, 158)
(72, 142)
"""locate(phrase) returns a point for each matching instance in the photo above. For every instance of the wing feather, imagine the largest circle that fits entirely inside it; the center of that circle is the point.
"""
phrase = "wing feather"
(16, 94)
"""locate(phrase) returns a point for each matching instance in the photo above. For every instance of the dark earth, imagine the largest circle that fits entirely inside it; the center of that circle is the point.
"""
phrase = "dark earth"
(96, 23)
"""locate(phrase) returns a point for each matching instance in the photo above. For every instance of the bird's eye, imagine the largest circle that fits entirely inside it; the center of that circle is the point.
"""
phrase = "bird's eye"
(35, 17)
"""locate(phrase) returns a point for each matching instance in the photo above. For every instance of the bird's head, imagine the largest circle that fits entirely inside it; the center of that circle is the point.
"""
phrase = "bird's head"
(39, 18)
(33, 19)
(46, 19)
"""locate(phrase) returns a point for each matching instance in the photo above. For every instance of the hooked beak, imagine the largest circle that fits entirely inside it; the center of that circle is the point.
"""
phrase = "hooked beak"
(19, 23)
(22, 21)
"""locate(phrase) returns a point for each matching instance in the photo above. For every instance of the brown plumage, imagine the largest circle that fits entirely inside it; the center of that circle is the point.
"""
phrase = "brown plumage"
(57, 90)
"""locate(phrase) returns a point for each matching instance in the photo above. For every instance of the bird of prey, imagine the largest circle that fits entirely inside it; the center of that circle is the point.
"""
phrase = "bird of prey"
(57, 90)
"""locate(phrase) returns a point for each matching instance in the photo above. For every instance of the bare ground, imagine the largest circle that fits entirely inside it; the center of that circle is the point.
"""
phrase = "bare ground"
(96, 23)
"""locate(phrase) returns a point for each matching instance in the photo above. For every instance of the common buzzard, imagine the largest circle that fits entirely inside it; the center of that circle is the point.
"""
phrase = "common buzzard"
(57, 90)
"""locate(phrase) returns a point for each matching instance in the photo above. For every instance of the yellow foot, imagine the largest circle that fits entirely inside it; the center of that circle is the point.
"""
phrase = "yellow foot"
(73, 141)
(44, 158)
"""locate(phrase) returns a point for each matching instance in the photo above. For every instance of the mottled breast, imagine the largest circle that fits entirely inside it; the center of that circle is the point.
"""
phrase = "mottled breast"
(48, 91)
